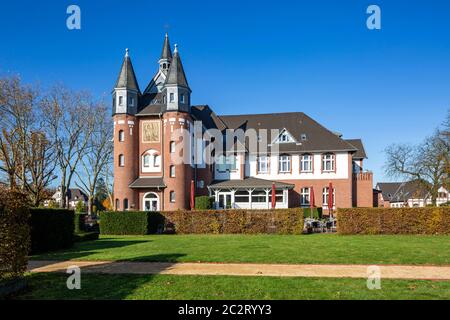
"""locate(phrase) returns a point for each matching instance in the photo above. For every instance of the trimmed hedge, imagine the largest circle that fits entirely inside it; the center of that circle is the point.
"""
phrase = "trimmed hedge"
(51, 229)
(394, 221)
(14, 234)
(284, 221)
(125, 223)
(204, 203)
(85, 236)
(79, 221)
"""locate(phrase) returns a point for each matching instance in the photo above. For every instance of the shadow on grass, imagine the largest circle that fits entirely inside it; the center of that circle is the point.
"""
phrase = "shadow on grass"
(87, 248)
(111, 280)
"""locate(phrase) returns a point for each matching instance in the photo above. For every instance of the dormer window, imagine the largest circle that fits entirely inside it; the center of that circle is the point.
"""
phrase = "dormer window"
(285, 137)
(303, 137)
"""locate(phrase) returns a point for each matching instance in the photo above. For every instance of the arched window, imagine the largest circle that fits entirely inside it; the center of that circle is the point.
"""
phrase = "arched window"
(121, 160)
(125, 204)
(121, 136)
(172, 171)
(164, 66)
(151, 202)
(156, 161)
(172, 196)
(172, 146)
(117, 204)
(147, 161)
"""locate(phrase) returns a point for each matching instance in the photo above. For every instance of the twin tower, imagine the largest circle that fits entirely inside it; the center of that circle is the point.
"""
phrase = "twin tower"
(145, 175)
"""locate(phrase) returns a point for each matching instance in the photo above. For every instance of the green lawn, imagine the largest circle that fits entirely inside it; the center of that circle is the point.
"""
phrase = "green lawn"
(307, 249)
(160, 287)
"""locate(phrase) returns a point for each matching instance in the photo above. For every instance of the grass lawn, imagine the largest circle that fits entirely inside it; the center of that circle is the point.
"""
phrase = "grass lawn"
(303, 249)
(161, 287)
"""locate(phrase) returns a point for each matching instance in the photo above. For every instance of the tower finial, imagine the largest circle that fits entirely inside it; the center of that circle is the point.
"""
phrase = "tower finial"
(176, 48)
(126, 52)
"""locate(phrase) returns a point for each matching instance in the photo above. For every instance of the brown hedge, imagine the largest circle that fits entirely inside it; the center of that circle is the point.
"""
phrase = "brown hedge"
(394, 220)
(14, 234)
(284, 221)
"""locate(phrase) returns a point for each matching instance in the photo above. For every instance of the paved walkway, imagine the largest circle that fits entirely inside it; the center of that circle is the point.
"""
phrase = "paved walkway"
(244, 269)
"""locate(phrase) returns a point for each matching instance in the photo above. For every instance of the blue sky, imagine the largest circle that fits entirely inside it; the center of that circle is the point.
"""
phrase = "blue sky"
(386, 86)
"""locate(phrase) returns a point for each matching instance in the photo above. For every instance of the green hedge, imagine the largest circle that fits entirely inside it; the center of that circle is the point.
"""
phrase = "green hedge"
(204, 203)
(394, 221)
(14, 234)
(285, 221)
(317, 213)
(51, 229)
(80, 222)
(125, 223)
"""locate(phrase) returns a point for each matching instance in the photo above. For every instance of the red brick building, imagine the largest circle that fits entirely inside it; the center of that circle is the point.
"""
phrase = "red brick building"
(166, 149)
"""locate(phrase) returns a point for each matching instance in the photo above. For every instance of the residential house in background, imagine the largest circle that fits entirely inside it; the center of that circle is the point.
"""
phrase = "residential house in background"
(407, 194)
(304, 157)
(74, 195)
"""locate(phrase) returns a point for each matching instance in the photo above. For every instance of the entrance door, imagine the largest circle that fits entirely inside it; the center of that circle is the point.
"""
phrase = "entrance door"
(225, 200)
(151, 202)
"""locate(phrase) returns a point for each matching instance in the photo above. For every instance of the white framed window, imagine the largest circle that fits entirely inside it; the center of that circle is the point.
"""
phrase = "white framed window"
(131, 101)
(306, 163)
(328, 162)
(171, 97)
(279, 196)
(325, 194)
(305, 196)
(259, 196)
(284, 164)
(146, 161)
(172, 146)
(120, 100)
(172, 171)
(172, 196)
(263, 164)
(156, 161)
(121, 160)
(182, 98)
(121, 136)
(241, 196)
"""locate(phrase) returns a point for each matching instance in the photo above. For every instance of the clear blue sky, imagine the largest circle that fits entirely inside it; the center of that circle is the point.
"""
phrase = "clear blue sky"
(318, 57)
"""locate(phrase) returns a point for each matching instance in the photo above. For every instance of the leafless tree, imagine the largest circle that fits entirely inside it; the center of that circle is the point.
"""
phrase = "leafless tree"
(427, 163)
(70, 124)
(98, 153)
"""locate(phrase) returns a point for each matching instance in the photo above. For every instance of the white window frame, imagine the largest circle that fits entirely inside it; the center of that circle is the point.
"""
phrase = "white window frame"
(263, 164)
(172, 146)
(172, 171)
(306, 163)
(284, 160)
(305, 196)
(146, 161)
(121, 136)
(121, 160)
(325, 193)
(328, 159)
(171, 97)
(172, 194)
(156, 161)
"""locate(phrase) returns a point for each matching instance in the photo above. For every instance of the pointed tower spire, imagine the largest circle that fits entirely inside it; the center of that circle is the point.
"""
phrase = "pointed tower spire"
(176, 75)
(127, 77)
(177, 93)
(126, 90)
(166, 56)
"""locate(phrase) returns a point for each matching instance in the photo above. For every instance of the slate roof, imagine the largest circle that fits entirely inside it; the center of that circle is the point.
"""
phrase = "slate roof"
(249, 183)
(310, 136)
(148, 182)
(127, 77)
(358, 144)
(166, 51)
(176, 73)
(402, 191)
(75, 194)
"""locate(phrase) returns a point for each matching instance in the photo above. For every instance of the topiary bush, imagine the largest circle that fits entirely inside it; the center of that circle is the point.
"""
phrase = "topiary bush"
(79, 221)
(434, 220)
(51, 229)
(204, 203)
(14, 234)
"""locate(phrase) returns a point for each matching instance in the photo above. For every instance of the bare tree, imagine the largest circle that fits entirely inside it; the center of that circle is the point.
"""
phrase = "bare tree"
(99, 153)
(427, 163)
(70, 124)
(17, 104)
